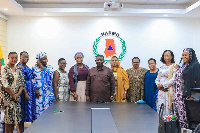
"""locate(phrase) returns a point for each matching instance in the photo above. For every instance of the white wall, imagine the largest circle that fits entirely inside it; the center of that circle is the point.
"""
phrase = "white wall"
(64, 36)
(3, 36)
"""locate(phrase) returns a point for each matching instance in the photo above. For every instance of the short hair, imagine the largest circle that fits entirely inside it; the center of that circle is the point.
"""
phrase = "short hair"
(100, 56)
(162, 58)
(12, 53)
(23, 53)
(152, 60)
(61, 59)
(136, 58)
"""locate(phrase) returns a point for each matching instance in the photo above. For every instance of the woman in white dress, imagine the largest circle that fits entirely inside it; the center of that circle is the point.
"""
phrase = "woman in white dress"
(165, 81)
(61, 82)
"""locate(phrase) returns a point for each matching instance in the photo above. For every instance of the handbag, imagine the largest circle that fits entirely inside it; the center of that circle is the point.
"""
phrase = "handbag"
(168, 124)
(192, 107)
(197, 129)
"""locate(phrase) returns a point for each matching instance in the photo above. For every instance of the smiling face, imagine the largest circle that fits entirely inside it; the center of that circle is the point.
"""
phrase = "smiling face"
(167, 57)
(13, 58)
(152, 65)
(185, 57)
(62, 64)
(24, 58)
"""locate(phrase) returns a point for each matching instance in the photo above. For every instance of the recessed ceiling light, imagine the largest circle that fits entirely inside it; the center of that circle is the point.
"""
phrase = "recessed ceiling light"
(5, 9)
(165, 15)
(105, 14)
(45, 14)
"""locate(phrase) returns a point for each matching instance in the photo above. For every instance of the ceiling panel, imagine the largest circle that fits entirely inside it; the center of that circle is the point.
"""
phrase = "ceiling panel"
(131, 8)
(185, 2)
(181, 2)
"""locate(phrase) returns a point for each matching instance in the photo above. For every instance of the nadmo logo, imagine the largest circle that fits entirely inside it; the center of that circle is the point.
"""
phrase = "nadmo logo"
(109, 44)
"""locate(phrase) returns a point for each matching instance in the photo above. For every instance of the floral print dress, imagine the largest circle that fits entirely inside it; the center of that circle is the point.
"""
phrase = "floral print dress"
(63, 86)
(13, 80)
(136, 84)
(162, 79)
(179, 101)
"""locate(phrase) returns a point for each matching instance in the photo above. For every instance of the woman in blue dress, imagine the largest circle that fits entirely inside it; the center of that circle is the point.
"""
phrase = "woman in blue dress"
(27, 102)
(43, 83)
(150, 87)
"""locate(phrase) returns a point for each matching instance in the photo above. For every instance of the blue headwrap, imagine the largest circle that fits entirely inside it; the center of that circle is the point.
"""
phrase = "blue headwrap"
(78, 54)
(40, 55)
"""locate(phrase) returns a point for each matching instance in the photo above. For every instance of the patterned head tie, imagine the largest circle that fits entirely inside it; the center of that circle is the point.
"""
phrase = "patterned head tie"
(41, 55)
(186, 50)
(78, 54)
(189, 52)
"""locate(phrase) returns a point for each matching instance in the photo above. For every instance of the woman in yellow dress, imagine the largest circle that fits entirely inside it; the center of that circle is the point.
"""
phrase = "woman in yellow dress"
(121, 80)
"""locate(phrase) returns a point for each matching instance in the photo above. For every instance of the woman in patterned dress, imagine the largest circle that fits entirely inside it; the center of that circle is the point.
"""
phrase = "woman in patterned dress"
(187, 76)
(13, 83)
(27, 105)
(77, 79)
(165, 81)
(136, 81)
(43, 83)
(2, 106)
(61, 82)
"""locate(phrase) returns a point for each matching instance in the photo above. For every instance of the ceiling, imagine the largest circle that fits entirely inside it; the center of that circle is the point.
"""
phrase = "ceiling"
(182, 2)
(147, 8)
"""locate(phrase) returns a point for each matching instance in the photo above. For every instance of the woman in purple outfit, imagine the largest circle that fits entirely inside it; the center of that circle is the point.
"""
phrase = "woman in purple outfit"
(187, 77)
(77, 79)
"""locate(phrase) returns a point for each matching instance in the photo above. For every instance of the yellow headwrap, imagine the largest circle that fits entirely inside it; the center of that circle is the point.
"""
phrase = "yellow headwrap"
(122, 81)
(118, 64)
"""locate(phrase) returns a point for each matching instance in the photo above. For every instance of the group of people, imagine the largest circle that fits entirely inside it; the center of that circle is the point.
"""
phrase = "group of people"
(25, 93)
(174, 82)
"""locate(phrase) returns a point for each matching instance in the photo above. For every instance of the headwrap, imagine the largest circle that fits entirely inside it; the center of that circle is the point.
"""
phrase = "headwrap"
(191, 73)
(186, 50)
(118, 64)
(193, 58)
(122, 79)
(78, 54)
(41, 55)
